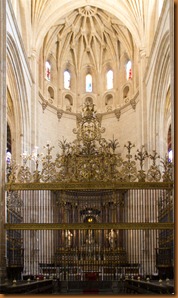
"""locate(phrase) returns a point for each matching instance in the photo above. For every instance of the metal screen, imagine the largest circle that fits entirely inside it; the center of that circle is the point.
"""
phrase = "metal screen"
(89, 234)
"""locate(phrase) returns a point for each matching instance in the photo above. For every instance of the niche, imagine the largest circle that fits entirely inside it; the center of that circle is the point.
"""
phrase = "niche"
(50, 94)
(68, 102)
(109, 102)
(126, 94)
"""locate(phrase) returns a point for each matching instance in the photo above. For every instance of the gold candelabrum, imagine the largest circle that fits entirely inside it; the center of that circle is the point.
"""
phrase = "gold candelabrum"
(90, 158)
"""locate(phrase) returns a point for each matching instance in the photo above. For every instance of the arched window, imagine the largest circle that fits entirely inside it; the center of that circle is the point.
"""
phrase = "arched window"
(67, 79)
(88, 83)
(169, 144)
(9, 140)
(8, 150)
(48, 70)
(109, 80)
(129, 70)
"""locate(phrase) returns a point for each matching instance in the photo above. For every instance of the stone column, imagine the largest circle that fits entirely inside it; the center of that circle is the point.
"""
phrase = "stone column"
(34, 100)
(143, 110)
(3, 136)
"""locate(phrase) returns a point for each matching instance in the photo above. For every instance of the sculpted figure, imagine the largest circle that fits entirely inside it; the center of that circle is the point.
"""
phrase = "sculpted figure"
(112, 239)
(68, 237)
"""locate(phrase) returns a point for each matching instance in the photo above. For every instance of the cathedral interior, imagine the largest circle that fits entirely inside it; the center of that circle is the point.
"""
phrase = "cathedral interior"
(87, 130)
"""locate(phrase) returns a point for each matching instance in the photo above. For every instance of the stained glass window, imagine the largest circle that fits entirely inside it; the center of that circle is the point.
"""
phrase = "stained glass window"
(169, 144)
(88, 83)
(48, 70)
(129, 70)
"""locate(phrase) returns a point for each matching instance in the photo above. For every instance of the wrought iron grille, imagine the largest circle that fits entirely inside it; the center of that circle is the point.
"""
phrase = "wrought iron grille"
(90, 234)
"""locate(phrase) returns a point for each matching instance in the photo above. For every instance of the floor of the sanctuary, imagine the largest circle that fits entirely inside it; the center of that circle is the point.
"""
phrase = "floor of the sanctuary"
(115, 287)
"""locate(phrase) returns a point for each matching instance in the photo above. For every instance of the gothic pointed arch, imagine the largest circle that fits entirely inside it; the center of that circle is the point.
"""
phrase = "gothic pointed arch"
(19, 116)
(159, 100)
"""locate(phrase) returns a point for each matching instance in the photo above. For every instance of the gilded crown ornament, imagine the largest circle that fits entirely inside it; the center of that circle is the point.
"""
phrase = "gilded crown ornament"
(89, 158)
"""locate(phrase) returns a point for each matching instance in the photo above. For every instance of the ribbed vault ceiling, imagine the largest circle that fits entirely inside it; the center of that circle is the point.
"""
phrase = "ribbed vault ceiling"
(135, 15)
(88, 34)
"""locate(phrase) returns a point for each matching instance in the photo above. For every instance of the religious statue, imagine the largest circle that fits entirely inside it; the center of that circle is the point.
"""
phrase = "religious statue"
(68, 236)
(112, 239)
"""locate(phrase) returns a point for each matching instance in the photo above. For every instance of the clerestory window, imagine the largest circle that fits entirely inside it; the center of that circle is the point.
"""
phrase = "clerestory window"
(67, 79)
(129, 70)
(88, 83)
(48, 71)
(109, 79)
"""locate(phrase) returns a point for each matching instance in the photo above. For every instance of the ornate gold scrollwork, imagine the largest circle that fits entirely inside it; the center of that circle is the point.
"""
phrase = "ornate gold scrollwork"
(129, 171)
(89, 158)
(168, 170)
(141, 156)
(154, 173)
